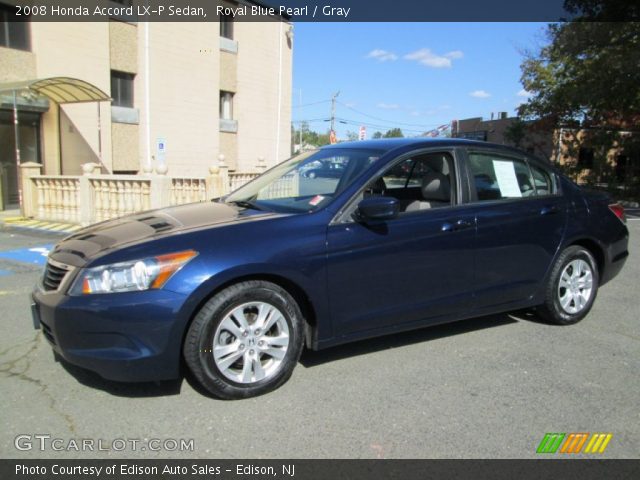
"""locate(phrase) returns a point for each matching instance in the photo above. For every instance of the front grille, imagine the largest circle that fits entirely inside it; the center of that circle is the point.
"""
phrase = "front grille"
(53, 275)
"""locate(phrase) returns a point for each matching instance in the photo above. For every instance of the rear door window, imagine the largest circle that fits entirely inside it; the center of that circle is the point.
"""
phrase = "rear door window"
(497, 177)
(542, 180)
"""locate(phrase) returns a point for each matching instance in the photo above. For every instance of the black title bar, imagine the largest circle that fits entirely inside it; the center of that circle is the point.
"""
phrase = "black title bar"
(292, 10)
(321, 469)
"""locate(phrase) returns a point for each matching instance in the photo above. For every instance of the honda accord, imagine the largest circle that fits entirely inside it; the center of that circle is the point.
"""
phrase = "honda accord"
(413, 232)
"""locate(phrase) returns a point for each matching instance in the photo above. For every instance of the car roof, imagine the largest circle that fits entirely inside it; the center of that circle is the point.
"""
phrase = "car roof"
(388, 144)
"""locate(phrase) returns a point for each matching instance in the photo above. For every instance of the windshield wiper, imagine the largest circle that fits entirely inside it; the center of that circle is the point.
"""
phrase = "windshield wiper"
(246, 204)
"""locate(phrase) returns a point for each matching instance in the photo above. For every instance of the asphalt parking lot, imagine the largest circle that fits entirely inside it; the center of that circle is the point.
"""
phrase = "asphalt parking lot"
(484, 388)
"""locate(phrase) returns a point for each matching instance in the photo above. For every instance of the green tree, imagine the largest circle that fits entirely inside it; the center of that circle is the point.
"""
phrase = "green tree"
(516, 132)
(351, 136)
(588, 76)
(309, 137)
(377, 135)
(393, 133)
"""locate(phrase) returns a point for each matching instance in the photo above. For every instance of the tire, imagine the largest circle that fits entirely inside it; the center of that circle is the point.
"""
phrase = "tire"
(572, 287)
(227, 349)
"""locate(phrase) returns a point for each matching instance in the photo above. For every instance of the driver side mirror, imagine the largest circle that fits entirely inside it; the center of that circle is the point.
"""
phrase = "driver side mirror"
(377, 209)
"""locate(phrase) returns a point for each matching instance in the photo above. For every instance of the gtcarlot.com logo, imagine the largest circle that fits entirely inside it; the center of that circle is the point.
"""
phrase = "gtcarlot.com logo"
(45, 442)
(574, 443)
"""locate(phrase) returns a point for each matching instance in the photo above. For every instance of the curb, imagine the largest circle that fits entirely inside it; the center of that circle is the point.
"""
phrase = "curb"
(39, 225)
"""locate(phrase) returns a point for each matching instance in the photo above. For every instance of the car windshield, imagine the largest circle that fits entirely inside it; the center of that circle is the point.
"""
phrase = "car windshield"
(306, 182)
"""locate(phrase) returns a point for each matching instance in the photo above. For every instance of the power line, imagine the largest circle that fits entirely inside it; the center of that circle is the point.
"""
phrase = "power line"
(313, 120)
(384, 120)
(348, 121)
(310, 104)
(373, 125)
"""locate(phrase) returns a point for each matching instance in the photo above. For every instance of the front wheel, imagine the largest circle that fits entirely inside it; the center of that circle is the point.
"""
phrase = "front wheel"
(245, 341)
(572, 287)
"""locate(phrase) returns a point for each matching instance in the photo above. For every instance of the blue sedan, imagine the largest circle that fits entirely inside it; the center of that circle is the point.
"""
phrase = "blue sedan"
(412, 233)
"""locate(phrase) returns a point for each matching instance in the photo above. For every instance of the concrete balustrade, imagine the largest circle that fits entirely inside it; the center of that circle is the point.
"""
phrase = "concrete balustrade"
(93, 197)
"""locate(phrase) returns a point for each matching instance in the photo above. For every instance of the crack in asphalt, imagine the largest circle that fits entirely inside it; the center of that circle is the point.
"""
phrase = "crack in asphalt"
(13, 369)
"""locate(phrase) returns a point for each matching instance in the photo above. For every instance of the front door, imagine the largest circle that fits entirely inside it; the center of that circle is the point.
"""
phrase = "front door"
(417, 266)
(29, 134)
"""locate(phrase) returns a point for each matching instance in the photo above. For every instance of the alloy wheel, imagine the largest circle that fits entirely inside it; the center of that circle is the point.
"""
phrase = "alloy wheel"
(251, 342)
(575, 286)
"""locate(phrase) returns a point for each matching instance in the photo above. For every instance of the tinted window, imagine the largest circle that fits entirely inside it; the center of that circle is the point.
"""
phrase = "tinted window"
(542, 180)
(422, 182)
(14, 31)
(226, 26)
(226, 105)
(306, 182)
(122, 89)
(397, 176)
(497, 177)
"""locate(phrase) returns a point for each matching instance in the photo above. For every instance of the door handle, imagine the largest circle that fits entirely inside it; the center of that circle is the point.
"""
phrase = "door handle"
(462, 224)
(549, 210)
(448, 227)
(458, 225)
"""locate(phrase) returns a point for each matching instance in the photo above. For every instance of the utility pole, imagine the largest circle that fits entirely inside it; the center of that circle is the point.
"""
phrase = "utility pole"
(333, 110)
(300, 149)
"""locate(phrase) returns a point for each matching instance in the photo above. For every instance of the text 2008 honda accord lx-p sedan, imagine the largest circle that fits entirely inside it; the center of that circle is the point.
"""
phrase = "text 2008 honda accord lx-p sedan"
(411, 233)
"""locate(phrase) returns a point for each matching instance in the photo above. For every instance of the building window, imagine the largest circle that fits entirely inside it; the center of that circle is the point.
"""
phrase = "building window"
(14, 30)
(226, 105)
(585, 157)
(226, 26)
(122, 89)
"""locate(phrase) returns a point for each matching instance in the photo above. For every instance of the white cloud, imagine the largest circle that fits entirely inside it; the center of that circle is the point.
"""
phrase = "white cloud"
(382, 55)
(454, 55)
(426, 57)
(480, 94)
(388, 106)
(523, 93)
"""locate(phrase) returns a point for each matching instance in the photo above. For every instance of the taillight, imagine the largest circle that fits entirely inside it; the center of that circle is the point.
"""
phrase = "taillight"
(618, 210)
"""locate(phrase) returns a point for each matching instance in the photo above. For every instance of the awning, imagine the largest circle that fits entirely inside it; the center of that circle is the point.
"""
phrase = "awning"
(59, 89)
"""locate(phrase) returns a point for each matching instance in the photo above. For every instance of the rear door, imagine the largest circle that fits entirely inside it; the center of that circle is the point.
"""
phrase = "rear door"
(521, 218)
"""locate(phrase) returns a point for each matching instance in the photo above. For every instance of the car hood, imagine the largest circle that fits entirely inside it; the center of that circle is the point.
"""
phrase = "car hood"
(77, 249)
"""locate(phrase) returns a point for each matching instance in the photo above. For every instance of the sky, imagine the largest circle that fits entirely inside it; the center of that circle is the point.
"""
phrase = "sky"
(415, 76)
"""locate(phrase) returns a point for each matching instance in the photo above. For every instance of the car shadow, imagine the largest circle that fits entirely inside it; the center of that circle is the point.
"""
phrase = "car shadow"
(121, 389)
(308, 359)
(312, 358)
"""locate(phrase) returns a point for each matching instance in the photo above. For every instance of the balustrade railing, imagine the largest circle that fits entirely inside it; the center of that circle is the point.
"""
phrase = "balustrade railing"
(92, 198)
(117, 195)
(58, 197)
(188, 190)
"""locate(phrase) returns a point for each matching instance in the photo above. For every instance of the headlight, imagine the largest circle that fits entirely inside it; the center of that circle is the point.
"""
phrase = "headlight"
(144, 274)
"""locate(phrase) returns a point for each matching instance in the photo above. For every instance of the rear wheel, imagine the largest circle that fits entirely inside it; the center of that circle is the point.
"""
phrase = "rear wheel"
(245, 341)
(572, 287)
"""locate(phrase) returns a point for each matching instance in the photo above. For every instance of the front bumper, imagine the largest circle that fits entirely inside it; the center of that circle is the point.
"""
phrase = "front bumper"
(131, 336)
